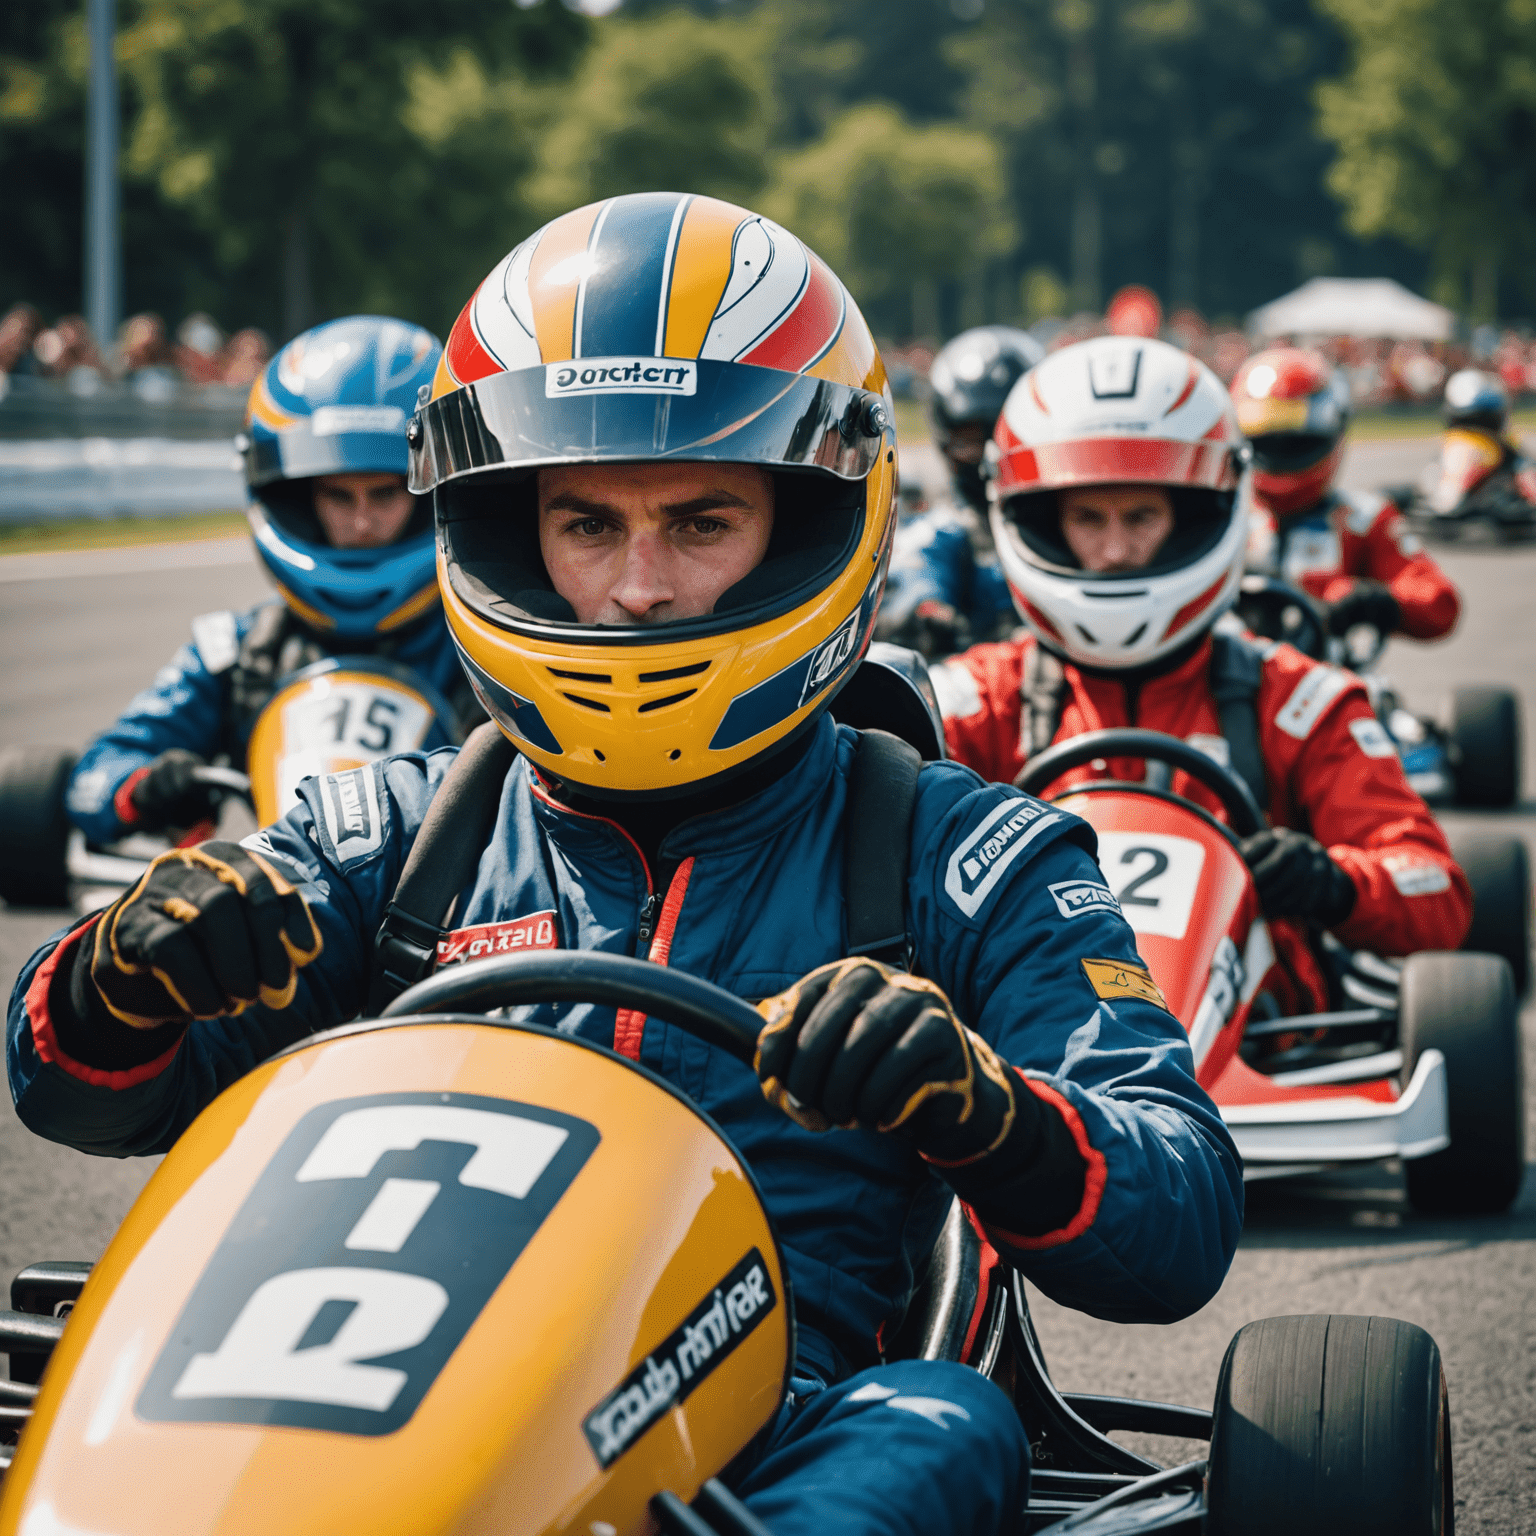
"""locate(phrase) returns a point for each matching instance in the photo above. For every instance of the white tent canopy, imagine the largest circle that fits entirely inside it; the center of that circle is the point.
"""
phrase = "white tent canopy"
(1353, 306)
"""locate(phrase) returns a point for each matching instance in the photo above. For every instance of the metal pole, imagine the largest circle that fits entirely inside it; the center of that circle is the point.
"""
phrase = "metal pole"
(103, 232)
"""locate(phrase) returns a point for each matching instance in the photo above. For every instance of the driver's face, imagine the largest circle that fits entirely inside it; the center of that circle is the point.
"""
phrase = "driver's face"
(650, 543)
(1115, 528)
(967, 443)
(362, 511)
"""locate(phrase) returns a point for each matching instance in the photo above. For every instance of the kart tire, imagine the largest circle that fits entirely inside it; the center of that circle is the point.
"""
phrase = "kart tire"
(1331, 1425)
(34, 831)
(1499, 872)
(1463, 1006)
(1485, 728)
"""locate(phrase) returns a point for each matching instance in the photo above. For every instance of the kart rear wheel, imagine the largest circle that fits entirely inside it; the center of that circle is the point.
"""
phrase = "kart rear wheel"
(1499, 873)
(1464, 1007)
(1485, 728)
(34, 831)
(1335, 1426)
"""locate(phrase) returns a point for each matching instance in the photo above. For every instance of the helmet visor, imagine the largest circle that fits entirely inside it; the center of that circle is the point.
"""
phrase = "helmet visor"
(591, 410)
(335, 440)
(1288, 453)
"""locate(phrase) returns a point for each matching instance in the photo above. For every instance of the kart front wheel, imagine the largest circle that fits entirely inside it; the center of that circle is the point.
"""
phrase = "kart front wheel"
(1332, 1426)
(1499, 873)
(1485, 730)
(1463, 1006)
(34, 831)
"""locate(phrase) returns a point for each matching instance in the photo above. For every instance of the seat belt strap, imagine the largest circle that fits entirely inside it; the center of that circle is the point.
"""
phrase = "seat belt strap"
(877, 847)
(442, 861)
(1042, 700)
(1237, 670)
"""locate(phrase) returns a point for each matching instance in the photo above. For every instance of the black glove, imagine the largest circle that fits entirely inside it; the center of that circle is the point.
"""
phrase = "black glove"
(857, 1044)
(1296, 878)
(167, 795)
(207, 931)
(1368, 602)
(935, 629)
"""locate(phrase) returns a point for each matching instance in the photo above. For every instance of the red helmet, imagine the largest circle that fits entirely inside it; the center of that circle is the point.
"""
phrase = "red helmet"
(1293, 407)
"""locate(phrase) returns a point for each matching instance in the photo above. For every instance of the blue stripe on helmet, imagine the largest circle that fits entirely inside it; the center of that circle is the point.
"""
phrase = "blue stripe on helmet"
(622, 291)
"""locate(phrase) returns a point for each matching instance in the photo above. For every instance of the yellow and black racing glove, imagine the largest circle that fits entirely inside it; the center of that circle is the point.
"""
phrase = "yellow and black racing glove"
(855, 1043)
(206, 931)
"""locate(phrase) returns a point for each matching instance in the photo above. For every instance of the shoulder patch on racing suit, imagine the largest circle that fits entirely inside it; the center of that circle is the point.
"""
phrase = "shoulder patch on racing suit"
(1309, 699)
(1120, 978)
(216, 640)
(1371, 737)
(955, 688)
(351, 813)
(984, 856)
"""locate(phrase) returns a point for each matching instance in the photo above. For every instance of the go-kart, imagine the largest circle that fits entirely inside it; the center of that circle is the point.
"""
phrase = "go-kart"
(335, 714)
(1470, 758)
(1477, 479)
(1420, 1059)
(443, 1272)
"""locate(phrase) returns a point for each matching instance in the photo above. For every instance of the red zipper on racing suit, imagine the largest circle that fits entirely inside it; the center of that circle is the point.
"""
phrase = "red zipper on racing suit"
(657, 917)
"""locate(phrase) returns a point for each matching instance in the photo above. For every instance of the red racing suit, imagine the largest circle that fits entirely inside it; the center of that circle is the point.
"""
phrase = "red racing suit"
(1331, 769)
(1349, 535)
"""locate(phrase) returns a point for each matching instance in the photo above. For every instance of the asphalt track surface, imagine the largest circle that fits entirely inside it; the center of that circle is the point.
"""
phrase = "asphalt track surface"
(80, 633)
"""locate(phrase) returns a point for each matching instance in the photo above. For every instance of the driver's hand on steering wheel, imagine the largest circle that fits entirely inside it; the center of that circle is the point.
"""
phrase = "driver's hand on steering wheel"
(1296, 878)
(856, 1043)
(165, 793)
(207, 931)
(1367, 602)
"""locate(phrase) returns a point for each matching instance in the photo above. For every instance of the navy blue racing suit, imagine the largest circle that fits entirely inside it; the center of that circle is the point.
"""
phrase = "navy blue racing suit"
(189, 705)
(754, 900)
(935, 559)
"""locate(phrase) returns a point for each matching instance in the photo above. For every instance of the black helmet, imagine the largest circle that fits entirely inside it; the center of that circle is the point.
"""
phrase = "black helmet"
(1474, 398)
(969, 380)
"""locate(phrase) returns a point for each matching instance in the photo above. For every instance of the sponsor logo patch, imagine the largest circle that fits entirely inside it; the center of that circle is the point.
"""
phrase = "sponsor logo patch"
(1372, 738)
(978, 864)
(1119, 978)
(349, 808)
(1074, 897)
(621, 376)
(369, 1246)
(830, 656)
(683, 1359)
(956, 690)
(519, 933)
(333, 420)
(1311, 696)
(1414, 878)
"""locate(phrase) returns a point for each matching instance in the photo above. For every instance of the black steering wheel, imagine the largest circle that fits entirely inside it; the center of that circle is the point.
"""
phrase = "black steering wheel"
(1276, 610)
(706, 1011)
(1237, 800)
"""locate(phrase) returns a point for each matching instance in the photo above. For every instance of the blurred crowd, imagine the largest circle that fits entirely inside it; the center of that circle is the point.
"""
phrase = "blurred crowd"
(1382, 372)
(144, 355)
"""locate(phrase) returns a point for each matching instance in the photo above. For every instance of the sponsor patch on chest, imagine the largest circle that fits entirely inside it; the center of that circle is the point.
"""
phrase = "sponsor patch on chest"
(979, 863)
(1119, 978)
(536, 931)
(1075, 897)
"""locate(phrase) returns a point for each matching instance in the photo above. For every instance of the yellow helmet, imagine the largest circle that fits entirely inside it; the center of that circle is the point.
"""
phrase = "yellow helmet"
(660, 327)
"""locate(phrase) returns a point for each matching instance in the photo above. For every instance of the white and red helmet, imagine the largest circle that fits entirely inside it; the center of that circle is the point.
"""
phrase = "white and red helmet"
(1120, 410)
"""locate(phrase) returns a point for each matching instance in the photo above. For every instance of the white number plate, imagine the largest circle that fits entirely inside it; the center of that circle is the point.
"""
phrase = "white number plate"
(1154, 878)
(337, 725)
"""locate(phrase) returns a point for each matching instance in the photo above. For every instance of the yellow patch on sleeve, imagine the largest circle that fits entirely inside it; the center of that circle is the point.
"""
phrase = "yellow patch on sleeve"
(1118, 978)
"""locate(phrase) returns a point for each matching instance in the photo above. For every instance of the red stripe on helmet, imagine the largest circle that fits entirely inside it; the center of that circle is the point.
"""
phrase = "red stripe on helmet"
(809, 329)
(468, 359)
(1034, 613)
(1189, 388)
(1196, 605)
(1116, 460)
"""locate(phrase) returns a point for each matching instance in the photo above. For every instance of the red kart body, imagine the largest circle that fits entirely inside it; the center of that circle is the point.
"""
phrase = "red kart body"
(1186, 892)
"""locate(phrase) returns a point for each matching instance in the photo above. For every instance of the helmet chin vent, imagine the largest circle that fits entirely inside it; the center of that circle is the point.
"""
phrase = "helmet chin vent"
(1089, 638)
(1135, 635)
(1111, 592)
(671, 698)
(576, 698)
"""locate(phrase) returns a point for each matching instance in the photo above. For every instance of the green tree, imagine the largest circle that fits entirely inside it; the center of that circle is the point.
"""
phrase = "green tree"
(299, 136)
(1435, 124)
(896, 209)
(671, 101)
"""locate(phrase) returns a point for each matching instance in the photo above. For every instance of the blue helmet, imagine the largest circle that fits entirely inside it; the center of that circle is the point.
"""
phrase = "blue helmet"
(1474, 398)
(336, 401)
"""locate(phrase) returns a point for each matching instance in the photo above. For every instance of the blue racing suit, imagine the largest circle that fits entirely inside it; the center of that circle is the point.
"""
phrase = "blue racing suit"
(753, 901)
(189, 705)
(935, 559)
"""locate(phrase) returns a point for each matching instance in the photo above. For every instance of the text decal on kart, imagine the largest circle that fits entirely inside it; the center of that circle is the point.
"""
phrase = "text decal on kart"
(377, 1234)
